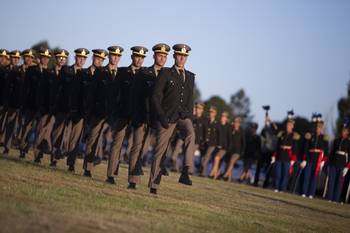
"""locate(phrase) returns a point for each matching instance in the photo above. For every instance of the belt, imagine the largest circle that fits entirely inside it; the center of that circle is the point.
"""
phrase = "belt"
(315, 151)
(341, 153)
(286, 147)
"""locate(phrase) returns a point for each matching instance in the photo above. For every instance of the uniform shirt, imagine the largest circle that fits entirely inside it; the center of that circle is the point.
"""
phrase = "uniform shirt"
(237, 142)
(212, 133)
(200, 125)
(339, 156)
(142, 90)
(287, 146)
(173, 95)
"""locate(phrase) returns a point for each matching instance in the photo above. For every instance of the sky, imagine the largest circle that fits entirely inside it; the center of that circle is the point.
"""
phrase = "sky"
(288, 54)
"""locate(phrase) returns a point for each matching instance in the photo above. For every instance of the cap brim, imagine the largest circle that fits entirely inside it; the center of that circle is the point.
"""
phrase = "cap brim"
(139, 54)
(181, 53)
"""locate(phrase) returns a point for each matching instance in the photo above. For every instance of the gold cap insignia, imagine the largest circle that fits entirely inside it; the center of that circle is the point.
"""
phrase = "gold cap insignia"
(83, 52)
(183, 50)
(63, 53)
(102, 54)
(46, 52)
(30, 53)
(4, 52)
(141, 51)
(117, 50)
(163, 48)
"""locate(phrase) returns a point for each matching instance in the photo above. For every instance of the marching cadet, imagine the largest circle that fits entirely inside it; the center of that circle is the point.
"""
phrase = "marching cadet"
(142, 114)
(210, 140)
(315, 154)
(338, 164)
(286, 154)
(71, 92)
(251, 153)
(200, 124)
(51, 116)
(126, 77)
(173, 102)
(35, 101)
(5, 68)
(237, 147)
(14, 99)
(223, 144)
(90, 81)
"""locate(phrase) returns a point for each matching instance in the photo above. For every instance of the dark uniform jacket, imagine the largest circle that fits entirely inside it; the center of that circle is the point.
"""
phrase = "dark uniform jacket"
(125, 83)
(287, 146)
(142, 108)
(224, 136)
(107, 94)
(5, 82)
(253, 146)
(57, 101)
(173, 97)
(237, 142)
(200, 125)
(212, 133)
(339, 156)
(16, 95)
(88, 92)
(316, 149)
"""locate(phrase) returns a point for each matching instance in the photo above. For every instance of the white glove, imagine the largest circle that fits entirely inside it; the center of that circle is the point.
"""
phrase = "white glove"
(345, 170)
(321, 165)
(303, 164)
(273, 159)
(292, 163)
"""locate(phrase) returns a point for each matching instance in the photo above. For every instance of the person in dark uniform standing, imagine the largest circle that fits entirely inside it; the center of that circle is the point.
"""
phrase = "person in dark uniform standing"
(200, 124)
(338, 164)
(315, 155)
(71, 96)
(286, 154)
(16, 80)
(142, 111)
(5, 68)
(210, 140)
(223, 144)
(93, 124)
(126, 77)
(237, 147)
(251, 153)
(173, 102)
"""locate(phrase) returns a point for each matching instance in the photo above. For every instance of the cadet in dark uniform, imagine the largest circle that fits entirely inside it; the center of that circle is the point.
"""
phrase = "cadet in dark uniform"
(223, 144)
(315, 155)
(15, 92)
(36, 88)
(286, 154)
(142, 114)
(71, 93)
(237, 147)
(173, 102)
(210, 140)
(126, 77)
(5, 68)
(200, 125)
(338, 164)
(93, 123)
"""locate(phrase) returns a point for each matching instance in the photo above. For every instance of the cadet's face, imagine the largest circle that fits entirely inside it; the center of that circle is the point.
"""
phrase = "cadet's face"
(180, 60)
(4, 60)
(236, 123)
(97, 61)
(61, 61)
(137, 61)
(44, 61)
(114, 59)
(28, 60)
(290, 127)
(223, 119)
(345, 133)
(160, 59)
(212, 114)
(319, 129)
(199, 111)
(80, 61)
(15, 61)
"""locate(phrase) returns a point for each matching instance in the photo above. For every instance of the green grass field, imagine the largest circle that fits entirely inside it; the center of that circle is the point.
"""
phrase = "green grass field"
(36, 198)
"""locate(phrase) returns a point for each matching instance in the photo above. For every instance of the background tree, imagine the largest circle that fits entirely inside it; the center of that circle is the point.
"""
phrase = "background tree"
(343, 110)
(240, 105)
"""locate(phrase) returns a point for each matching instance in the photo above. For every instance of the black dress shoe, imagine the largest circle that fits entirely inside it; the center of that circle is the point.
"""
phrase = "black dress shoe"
(71, 168)
(37, 160)
(53, 164)
(132, 186)
(164, 172)
(153, 191)
(110, 180)
(185, 179)
(22, 154)
(87, 173)
(6, 151)
(97, 161)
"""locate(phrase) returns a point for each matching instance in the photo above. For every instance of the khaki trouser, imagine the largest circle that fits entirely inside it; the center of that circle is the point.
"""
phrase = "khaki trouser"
(10, 127)
(118, 137)
(44, 132)
(94, 142)
(162, 141)
(140, 136)
(205, 159)
(76, 129)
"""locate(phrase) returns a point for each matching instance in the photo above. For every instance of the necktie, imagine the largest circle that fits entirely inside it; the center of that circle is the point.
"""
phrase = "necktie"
(182, 75)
